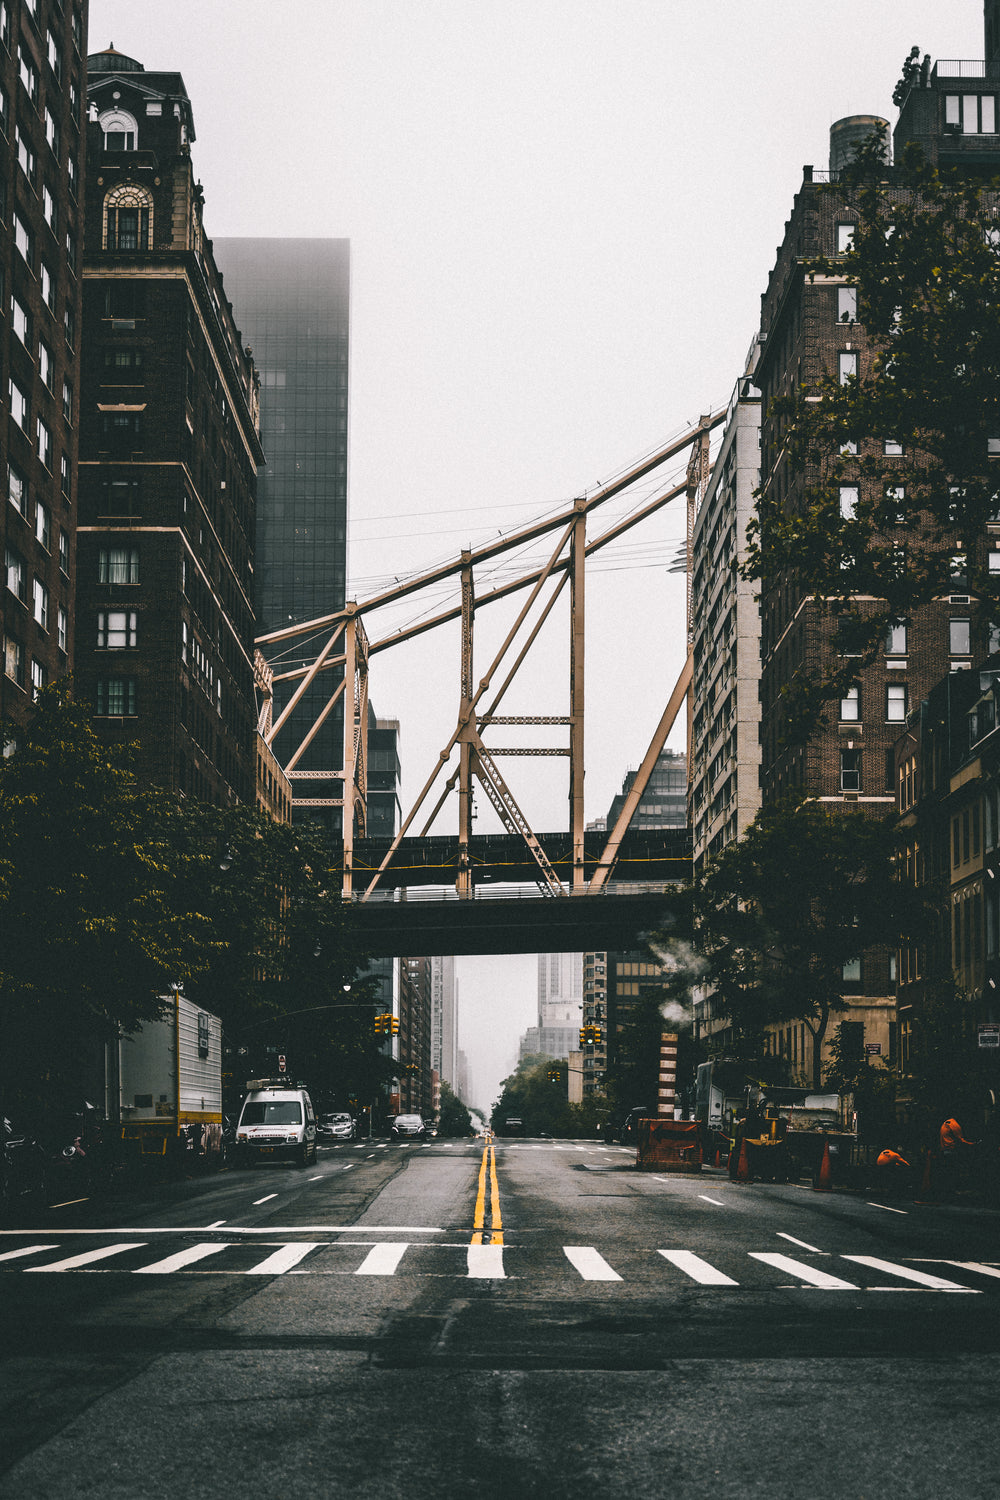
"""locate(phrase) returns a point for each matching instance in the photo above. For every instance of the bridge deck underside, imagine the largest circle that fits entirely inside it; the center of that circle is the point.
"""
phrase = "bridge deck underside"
(654, 857)
(566, 924)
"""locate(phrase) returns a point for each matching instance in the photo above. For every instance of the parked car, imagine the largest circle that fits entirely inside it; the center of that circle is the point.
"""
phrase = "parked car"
(335, 1127)
(408, 1128)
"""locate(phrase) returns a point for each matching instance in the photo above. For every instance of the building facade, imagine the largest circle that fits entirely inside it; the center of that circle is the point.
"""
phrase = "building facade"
(42, 151)
(725, 617)
(293, 302)
(169, 451)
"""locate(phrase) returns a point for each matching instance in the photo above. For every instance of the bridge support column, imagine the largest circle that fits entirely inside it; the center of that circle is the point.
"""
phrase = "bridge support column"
(463, 882)
(578, 557)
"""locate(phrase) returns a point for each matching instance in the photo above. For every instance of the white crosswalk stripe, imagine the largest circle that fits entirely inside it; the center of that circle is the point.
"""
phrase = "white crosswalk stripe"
(811, 1275)
(182, 1259)
(908, 1273)
(486, 1261)
(699, 1270)
(591, 1265)
(382, 1260)
(284, 1258)
(88, 1257)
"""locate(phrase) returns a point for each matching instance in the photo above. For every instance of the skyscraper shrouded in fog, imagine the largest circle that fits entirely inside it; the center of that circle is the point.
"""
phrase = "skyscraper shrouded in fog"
(292, 300)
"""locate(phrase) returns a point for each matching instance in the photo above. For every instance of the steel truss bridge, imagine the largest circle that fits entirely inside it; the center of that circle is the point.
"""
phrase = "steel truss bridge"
(465, 893)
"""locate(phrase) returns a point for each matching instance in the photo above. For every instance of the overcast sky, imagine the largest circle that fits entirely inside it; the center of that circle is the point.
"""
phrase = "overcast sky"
(562, 214)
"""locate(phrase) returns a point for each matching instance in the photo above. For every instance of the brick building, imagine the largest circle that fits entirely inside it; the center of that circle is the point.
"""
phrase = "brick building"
(42, 150)
(169, 450)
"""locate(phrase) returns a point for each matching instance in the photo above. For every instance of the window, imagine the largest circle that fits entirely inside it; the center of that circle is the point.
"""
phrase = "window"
(971, 114)
(71, 249)
(122, 362)
(46, 369)
(23, 240)
(847, 365)
(42, 524)
(848, 502)
(19, 406)
(120, 427)
(118, 565)
(895, 703)
(847, 304)
(850, 770)
(51, 131)
(13, 660)
(40, 603)
(895, 503)
(53, 52)
(67, 401)
(115, 697)
(128, 212)
(64, 477)
(21, 319)
(28, 74)
(116, 629)
(48, 286)
(957, 571)
(994, 562)
(959, 637)
(44, 435)
(17, 576)
(845, 237)
(49, 208)
(63, 551)
(62, 628)
(852, 974)
(892, 448)
(120, 130)
(17, 489)
(25, 154)
(38, 677)
(895, 640)
(69, 324)
(850, 705)
(121, 497)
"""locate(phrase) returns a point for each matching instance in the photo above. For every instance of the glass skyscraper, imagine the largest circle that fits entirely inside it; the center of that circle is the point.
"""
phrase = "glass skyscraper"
(291, 298)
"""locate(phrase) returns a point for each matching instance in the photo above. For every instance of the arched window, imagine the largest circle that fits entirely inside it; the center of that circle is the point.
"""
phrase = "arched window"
(128, 218)
(120, 130)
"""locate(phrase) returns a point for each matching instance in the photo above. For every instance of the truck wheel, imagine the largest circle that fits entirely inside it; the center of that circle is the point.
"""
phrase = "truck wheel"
(303, 1156)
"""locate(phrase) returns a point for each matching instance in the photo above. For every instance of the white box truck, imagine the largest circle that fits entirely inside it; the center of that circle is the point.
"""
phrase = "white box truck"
(170, 1084)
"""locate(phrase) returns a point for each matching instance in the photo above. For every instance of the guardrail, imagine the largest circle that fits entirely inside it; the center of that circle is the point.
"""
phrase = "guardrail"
(497, 892)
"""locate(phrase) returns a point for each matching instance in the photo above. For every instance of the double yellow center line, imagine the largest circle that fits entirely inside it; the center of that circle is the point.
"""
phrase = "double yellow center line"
(488, 1226)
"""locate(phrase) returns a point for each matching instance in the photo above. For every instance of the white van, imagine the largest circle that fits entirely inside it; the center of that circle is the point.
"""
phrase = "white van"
(278, 1120)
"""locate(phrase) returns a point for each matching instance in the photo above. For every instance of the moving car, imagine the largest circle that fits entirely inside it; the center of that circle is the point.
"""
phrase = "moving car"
(335, 1127)
(408, 1128)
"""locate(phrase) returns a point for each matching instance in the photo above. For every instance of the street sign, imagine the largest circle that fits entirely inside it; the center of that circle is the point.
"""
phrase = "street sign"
(989, 1034)
(873, 1049)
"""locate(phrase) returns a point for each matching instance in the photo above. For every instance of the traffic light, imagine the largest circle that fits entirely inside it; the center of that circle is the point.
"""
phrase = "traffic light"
(583, 1036)
(554, 1075)
(379, 1025)
(598, 1036)
(393, 1025)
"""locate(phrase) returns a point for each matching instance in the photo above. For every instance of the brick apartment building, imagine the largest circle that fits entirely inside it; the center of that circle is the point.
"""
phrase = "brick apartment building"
(169, 450)
(42, 149)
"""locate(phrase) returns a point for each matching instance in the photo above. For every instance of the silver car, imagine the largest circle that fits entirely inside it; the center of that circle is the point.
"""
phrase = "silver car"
(408, 1128)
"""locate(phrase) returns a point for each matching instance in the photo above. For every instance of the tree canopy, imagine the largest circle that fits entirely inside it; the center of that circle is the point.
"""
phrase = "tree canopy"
(779, 914)
(925, 260)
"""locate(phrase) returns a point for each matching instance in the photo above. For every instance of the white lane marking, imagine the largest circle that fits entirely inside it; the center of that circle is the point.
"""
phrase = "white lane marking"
(486, 1261)
(182, 1258)
(349, 1165)
(973, 1265)
(283, 1259)
(811, 1275)
(801, 1243)
(271, 1229)
(69, 1203)
(319, 1178)
(591, 1265)
(382, 1146)
(382, 1260)
(936, 1283)
(258, 1201)
(217, 1225)
(888, 1209)
(72, 1262)
(26, 1250)
(699, 1270)
(717, 1201)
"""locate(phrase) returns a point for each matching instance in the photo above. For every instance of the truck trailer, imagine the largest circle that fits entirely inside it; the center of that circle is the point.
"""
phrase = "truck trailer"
(169, 1084)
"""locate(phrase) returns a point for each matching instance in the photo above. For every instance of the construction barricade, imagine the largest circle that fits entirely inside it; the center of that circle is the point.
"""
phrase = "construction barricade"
(669, 1145)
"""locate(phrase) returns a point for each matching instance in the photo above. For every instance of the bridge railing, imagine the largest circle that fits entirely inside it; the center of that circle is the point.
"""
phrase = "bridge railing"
(408, 895)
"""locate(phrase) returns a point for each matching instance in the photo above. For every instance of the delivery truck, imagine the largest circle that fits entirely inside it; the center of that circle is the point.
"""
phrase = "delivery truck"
(170, 1085)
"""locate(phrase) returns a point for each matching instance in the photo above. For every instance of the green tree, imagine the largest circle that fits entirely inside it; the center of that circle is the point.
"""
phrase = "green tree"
(538, 1100)
(455, 1119)
(92, 930)
(779, 914)
(925, 260)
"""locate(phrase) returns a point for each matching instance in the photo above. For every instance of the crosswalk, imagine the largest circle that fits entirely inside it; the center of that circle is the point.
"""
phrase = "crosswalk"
(361, 1256)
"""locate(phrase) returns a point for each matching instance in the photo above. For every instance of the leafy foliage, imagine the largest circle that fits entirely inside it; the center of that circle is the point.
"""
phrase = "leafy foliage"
(780, 913)
(454, 1119)
(925, 260)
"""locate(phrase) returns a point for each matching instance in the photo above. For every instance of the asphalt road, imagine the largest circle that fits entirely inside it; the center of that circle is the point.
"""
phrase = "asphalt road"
(542, 1320)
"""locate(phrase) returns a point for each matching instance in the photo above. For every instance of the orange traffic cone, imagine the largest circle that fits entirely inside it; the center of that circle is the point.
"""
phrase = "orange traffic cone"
(926, 1193)
(822, 1182)
(743, 1163)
